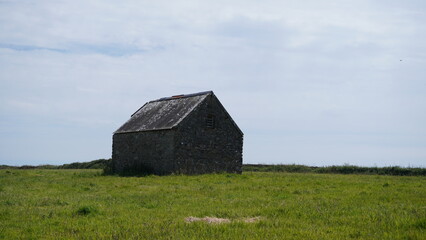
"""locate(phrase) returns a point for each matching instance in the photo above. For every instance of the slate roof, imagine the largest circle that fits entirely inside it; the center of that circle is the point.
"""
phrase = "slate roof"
(164, 113)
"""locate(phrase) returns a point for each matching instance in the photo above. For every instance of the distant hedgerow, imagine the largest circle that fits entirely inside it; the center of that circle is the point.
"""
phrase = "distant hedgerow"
(345, 169)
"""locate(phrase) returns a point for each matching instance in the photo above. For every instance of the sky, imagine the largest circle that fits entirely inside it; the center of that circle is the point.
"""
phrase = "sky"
(309, 82)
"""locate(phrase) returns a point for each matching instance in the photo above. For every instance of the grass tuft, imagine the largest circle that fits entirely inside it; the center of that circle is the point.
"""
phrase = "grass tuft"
(86, 210)
(421, 224)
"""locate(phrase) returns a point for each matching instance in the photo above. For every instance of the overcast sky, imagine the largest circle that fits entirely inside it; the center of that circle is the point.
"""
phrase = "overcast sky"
(309, 82)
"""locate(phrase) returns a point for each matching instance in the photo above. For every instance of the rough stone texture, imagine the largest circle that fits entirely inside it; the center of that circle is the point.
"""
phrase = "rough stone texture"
(139, 152)
(206, 140)
(200, 149)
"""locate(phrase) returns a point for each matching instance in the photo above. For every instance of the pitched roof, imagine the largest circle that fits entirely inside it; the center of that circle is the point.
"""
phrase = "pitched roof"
(164, 113)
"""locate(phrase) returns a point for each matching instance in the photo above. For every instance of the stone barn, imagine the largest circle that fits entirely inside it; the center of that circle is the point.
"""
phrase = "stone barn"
(184, 134)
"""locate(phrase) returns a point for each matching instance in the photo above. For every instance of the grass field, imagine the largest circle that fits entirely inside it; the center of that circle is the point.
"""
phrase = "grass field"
(83, 204)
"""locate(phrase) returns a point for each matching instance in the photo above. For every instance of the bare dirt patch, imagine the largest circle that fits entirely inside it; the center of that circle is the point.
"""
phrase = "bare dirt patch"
(215, 220)
(252, 219)
(212, 220)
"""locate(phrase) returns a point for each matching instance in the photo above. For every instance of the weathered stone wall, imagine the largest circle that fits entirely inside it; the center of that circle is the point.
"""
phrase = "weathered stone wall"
(202, 149)
(150, 151)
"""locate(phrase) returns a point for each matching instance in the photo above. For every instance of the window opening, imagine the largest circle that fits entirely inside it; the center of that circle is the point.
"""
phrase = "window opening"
(210, 121)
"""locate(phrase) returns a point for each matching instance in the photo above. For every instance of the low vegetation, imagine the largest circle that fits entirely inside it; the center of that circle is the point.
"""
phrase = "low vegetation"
(289, 168)
(85, 204)
(95, 164)
(345, 169)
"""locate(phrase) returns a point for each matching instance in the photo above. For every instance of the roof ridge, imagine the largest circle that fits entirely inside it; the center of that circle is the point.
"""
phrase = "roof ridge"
(182, 96)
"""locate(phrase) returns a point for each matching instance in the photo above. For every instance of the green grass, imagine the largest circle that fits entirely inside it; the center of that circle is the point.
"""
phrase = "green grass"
(83, 204)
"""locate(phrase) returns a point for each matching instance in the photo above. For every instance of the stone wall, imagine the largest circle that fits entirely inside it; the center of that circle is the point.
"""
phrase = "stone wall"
(203, 148)
(138, 152)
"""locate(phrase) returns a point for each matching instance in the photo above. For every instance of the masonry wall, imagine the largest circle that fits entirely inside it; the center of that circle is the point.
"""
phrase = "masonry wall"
(150, 151)
(202, 149)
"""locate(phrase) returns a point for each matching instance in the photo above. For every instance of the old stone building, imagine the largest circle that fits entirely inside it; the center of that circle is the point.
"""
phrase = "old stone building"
(188, 134)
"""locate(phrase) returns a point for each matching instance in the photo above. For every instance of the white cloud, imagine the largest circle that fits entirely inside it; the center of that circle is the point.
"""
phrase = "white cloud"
(280, 68)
